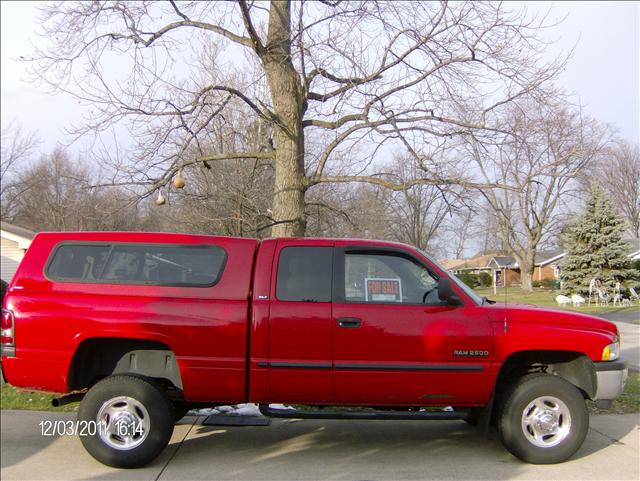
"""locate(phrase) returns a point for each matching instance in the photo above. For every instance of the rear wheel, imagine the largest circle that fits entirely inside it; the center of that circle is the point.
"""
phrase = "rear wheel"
(180, 410)
(543, 420)
(133, 419)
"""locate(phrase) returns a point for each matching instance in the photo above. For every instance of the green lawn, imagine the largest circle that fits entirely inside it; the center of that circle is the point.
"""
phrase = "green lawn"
(12, 398)
(545, 297)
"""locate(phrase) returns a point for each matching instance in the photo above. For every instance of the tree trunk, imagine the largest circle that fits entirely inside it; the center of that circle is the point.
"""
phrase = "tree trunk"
(526, 280)
(527, 267)
(288, 105)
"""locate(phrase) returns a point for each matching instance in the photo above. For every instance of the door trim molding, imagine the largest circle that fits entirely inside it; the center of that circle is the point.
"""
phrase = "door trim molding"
(296, 365)
(408, 367)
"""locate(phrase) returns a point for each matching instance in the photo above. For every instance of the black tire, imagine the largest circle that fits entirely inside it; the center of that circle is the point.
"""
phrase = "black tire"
(560, 437)
(180, 410)
(474, 417)
(150, 406)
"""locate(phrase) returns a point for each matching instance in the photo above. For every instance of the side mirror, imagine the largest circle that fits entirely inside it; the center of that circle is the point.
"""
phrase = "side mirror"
(446, 292)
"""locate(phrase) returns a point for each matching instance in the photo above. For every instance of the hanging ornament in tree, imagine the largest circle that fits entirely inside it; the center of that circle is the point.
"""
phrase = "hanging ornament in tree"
(160, 200)
(178, 181)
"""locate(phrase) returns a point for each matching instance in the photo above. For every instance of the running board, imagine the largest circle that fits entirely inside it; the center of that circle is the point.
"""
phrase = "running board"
(397, 415)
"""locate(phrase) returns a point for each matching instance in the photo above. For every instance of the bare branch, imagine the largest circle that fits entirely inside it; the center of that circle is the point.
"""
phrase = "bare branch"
(404, 185)
(235, 155)
(248, 23)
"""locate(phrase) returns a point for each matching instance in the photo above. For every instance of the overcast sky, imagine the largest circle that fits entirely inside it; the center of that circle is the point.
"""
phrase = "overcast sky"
(603, 73)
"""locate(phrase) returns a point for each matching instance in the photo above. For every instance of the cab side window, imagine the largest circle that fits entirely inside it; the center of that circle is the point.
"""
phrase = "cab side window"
(305, 274)
(387, 278)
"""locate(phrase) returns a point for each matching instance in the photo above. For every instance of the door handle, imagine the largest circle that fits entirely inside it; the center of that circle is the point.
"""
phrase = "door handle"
(349, 322)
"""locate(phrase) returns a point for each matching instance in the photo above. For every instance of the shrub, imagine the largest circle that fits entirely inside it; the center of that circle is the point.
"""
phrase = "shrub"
(547, 282)
(469, 279)
(535, 283)
(485, 279)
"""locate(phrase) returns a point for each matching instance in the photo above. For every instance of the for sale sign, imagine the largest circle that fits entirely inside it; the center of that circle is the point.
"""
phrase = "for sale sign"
(383, 290)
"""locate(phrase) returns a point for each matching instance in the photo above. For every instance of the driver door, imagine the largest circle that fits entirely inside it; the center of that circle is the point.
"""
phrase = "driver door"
(390, 347)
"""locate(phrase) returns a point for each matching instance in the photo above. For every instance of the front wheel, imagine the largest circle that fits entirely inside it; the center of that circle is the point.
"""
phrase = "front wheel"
(133, 419)
(544, 419)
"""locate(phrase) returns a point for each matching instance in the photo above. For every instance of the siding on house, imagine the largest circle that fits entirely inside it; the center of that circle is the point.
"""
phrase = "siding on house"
(512, 277)
(15, 241)
(545, 272)
(11, 256)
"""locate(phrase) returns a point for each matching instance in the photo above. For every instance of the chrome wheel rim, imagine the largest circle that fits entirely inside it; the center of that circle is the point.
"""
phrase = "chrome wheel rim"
(546, 421)
(123, 423)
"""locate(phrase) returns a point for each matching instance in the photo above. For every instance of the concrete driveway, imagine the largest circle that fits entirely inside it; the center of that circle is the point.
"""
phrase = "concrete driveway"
(300, 450)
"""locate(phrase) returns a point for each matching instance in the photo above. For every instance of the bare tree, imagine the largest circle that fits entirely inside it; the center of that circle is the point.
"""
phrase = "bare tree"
(17, 148)
(55, 194)
(343, 210)
(546, 149)
(462, 231)
(232, 199)
(417, 213)
(458, 233)
(374, 74)
(618, 170)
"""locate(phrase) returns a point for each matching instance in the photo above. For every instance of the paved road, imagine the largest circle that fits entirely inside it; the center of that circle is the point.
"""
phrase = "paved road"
(629, 326)
(301, 450)
(632, 316)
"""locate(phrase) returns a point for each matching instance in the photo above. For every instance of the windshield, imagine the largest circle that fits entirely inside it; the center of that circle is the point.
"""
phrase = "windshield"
(470, 292)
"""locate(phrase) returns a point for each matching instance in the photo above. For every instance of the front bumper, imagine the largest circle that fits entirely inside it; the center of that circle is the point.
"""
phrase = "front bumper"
(611, 376)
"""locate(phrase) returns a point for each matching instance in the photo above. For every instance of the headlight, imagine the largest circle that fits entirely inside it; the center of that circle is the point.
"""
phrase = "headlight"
(611, 352)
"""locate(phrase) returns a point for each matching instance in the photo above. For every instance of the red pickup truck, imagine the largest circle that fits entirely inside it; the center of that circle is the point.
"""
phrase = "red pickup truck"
(144, 326)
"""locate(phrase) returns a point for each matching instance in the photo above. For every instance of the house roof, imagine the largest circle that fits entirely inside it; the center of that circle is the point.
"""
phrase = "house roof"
(479, 262)
(545, 257)
(17, 234)
(503, 261)
(452, 263)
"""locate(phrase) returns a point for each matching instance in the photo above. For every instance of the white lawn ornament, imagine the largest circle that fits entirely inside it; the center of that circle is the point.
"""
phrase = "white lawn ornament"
(626, 302)
(617, 297)
(577, 300)
(594, 285)
(563, 300)
(603, 297)
(616, 289)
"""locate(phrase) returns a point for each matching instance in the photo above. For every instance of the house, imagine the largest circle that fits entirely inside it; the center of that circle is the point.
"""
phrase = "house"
(547, 264)
(504, 269)
(475, 265)
(13, 244)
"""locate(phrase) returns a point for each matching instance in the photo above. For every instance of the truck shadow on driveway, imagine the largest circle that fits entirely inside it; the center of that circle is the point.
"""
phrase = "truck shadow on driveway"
(358, 450)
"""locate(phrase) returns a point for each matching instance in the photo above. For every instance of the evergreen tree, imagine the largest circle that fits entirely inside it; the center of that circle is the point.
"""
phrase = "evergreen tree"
(595, 248)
